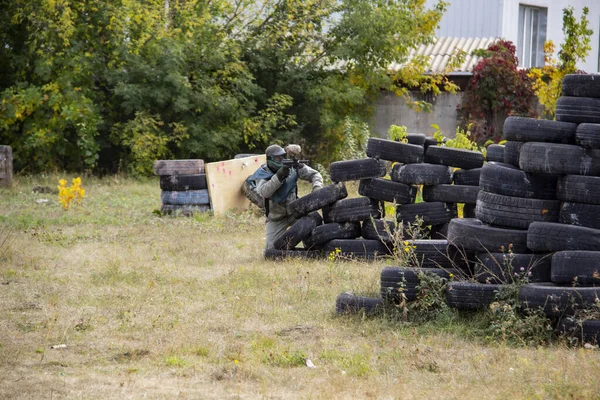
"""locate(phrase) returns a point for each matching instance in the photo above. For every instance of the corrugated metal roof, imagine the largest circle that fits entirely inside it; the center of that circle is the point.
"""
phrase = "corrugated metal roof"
(441, 51)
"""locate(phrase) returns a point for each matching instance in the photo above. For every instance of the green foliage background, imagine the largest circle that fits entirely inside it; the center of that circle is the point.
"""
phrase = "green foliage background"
(114, 85)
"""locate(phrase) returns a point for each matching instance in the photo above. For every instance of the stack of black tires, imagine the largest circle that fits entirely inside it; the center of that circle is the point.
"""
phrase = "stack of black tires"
(183, 186)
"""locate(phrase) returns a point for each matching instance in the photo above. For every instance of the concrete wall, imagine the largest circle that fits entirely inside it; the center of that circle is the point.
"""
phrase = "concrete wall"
(392, 110)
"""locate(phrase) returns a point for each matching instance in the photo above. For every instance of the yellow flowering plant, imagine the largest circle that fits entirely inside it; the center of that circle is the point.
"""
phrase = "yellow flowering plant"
(68, 195)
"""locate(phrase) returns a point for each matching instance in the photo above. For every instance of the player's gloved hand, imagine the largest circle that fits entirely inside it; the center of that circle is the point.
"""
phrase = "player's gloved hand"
(315, 188)
(283, 172)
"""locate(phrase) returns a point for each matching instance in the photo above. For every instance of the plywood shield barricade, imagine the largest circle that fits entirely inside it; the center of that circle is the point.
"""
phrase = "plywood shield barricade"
(6, 166)
(225, 179)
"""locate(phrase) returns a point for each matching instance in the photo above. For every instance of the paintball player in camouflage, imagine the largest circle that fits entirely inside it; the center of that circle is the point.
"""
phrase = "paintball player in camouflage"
(277, 184)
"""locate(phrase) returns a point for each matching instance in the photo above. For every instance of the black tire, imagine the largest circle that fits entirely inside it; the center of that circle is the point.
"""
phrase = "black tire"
(357, 248)
(451, 193)
(395, 151)
(472, 234)
(421, 174)
(514, 212)
(555, 300)
(183, 210)
(379, 229)
(274, 254)
(356, 209)
(559, 159)
(494, 152)
(458, 158)
(469, 177)
(502, 267)
(521, 129)
(512, 151)
(471, 296)
(430, 141)
(416, 138)
(352, 170)
(581, 85)
(508, 180)
(439, 231)
(435, 213)
(576, 267)
(249, 190)
(386, 190)
(588, 136)
(313, 201)
(178, 167)
(429, 253)
(397, 281)
(579, 110)
(580, 214)
(299, 230)
(579, 189)
(347, 303)
(585, 331)
(183, 182)
(553, 236)
(327, 232)
(188, 197)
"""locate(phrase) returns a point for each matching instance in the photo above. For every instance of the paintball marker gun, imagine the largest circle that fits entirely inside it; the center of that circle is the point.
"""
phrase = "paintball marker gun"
(294, 163)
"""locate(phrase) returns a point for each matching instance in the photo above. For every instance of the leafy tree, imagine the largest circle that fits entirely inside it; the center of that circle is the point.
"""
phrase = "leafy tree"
(497, 89)
(547, 81)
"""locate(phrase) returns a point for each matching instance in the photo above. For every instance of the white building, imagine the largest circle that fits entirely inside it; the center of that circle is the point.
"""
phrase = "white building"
(526, 23)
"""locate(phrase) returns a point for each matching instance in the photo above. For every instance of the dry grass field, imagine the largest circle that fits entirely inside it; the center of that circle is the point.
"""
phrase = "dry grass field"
(160, 307)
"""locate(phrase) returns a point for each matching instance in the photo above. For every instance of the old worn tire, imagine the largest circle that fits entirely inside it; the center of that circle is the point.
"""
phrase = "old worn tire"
(183, 210)
(458, 158)
(398, 281)
(502, 267)
(559, 159)
(356, 209)
(553, 236)
(274, 254)
(421, 174)
(521, 129)
(469, 177)
(295, 233)
(435, 213)
(470, 295)
(494, 152)
(351, 170)
(416, 138)
(508, 180)
(327, 232)
(585, 331)
(581, 85)
(451, 193)
(580, 214)
(386, 190)
(579, 189)
(555, 301)
(188, 197)
(430, 253)
(390, 150)
(576, 267)
(512, 151)
(588, 136)
(514, 212)
(472, 234)
(358, 248)
(178, 167)
(347, 303)
(579, 110)
(379, 229)
(183, 182)
(313, 201)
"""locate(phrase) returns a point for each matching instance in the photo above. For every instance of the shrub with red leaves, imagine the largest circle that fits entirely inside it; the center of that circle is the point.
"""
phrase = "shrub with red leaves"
(498, 89)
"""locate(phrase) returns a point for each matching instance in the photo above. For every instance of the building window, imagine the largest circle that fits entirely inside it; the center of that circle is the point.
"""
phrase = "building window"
(532, 36)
